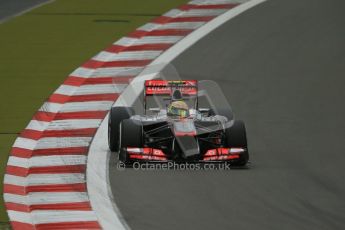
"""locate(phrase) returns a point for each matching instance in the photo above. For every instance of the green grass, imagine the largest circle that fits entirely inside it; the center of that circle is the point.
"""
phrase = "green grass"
(39, 49)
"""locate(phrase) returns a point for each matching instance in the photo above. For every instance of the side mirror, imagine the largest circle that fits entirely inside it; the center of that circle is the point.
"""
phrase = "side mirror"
(204, 111)
(155, 110)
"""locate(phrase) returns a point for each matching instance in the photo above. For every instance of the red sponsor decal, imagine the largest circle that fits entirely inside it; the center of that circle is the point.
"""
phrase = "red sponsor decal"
(146, 154)
(223, 153)
(166, 83)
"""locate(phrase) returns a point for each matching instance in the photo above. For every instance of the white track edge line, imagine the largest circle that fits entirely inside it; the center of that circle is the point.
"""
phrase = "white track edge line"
(109, 216)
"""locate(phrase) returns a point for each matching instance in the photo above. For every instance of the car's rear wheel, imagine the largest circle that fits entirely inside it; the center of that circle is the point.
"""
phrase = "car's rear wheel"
(117, 114)
(236, 138)
(131, 136)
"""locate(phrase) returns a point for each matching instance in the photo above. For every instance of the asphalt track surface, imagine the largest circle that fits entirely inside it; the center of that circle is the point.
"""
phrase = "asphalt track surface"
(10, 8)
(281, 65)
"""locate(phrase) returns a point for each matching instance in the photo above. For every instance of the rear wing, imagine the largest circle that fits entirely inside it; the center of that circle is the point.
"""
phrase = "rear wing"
(188, 88)
(167, 87)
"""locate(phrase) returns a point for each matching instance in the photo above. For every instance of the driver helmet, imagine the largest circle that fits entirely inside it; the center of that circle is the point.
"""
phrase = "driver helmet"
(178, 107)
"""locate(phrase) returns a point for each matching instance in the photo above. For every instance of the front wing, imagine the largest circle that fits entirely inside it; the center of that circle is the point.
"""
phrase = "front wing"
(157, 155)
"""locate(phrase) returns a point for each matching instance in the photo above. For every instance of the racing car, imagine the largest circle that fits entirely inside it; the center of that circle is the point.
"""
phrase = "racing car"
(172, 127)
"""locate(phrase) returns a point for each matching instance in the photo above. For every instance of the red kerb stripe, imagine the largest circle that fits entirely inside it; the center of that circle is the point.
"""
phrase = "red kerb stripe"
(208, 7)
(166, 32)
(93, 64)
(157, 46)
(59, 98)
(31, 134)
(47, 116)
(20, 171)
(81, 225)
(77, 81)
(80, 206)
(27, 153)
(164, 19)
(24, 190)
(81, 115)
(43, 116)
(69, 225)
(22, 226)
(87, 132)
(36, 135)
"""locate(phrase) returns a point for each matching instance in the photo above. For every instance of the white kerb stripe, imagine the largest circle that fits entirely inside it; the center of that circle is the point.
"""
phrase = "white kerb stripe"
(63, 142)
(54, 216)
(45, 179)
(127, 41)
(86, 106)
(47, 198)
(45, 161)
(25, 143)
(37, 125)
(107, 72)
(91, 89)
(52, 142)
(174, 25)
(50, 107)
(76, 106)
(157, 39)
(127, 56)
(21, 217)
(194, 13)
(66, 90)
(69, 124)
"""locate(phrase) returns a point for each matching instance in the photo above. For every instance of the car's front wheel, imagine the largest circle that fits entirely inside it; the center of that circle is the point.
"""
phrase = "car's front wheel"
(131, 135)
(236, 138)
(116, 115)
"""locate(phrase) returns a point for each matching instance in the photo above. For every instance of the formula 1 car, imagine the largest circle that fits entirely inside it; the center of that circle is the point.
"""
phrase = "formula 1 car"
(174, 128)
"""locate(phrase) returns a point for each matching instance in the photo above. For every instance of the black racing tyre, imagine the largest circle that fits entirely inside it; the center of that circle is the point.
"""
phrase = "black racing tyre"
(117, 114)
(131, 136)
(236, 137)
